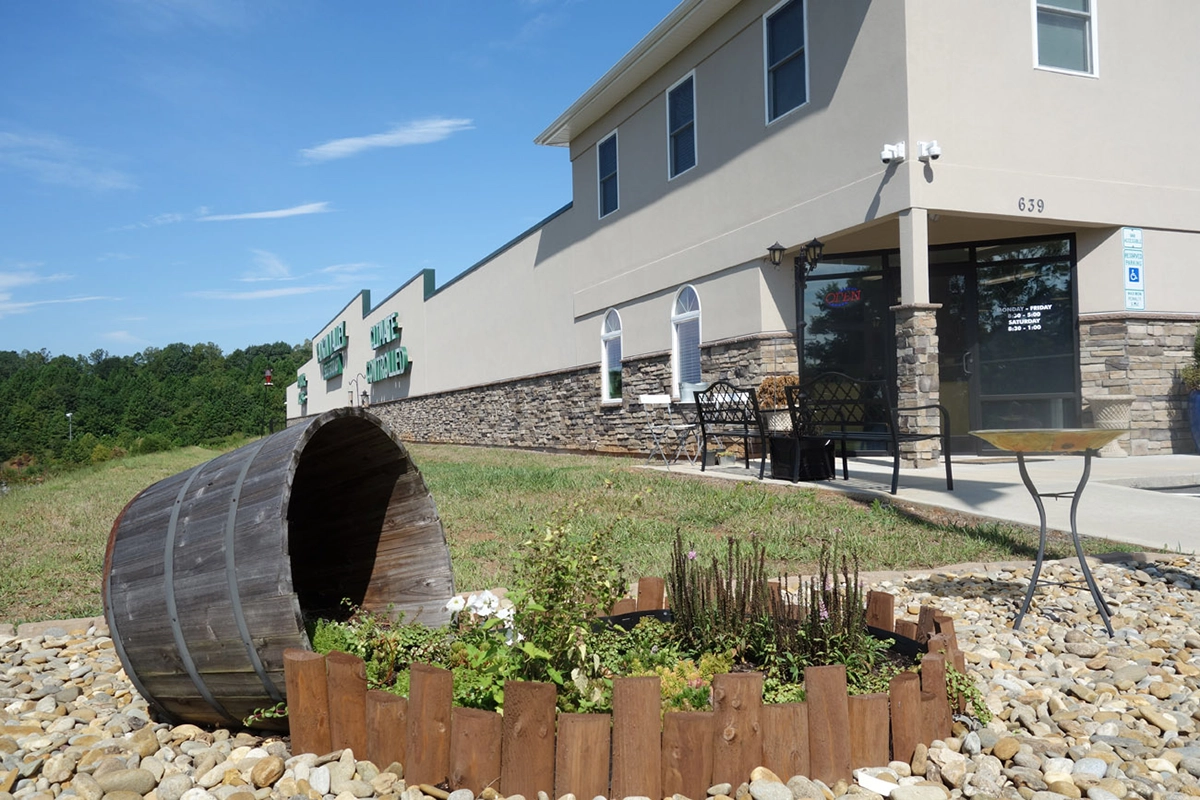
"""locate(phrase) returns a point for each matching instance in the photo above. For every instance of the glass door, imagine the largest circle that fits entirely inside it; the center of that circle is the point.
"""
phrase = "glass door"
(954, 288)
(1007, 345)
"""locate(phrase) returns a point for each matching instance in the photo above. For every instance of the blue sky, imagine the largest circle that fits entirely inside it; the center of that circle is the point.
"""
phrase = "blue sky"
(234, 171)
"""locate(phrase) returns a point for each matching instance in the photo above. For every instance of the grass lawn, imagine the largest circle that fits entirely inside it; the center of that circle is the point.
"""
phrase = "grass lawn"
(53, 535)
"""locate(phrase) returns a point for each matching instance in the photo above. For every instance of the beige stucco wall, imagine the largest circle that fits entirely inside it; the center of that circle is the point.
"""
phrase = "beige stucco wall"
(1099, 152)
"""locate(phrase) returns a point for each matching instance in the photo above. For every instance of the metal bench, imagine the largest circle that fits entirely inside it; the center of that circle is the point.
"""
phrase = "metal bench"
(844, 409)
(723, 408)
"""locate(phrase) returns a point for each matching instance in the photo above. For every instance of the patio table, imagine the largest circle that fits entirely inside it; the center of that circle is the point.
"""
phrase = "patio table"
(1054, 440)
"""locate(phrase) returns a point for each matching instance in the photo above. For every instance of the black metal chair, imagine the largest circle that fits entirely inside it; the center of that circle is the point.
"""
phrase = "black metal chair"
(846, 409)
(725, 408)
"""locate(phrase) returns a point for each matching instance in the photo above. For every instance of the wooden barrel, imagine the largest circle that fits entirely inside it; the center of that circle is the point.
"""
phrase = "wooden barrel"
(210, 574)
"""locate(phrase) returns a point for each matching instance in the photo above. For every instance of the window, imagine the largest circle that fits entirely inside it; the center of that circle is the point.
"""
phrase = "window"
(681, 126)
(786, 58)
(685, 339)
(1065, 35)
(610, 357)
(606, 159)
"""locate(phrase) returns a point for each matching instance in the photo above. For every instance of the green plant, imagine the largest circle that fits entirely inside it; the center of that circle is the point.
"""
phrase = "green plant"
(1190, 374)
(385, 647)
(541, 633)
(686, 685)
(718, 609)
(277, 711)
(960, 685)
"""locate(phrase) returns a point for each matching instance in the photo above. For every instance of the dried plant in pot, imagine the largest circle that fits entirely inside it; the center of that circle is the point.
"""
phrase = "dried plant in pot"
(772, 402)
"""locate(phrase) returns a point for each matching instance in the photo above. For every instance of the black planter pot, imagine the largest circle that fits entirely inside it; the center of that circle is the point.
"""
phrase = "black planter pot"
(815, 458)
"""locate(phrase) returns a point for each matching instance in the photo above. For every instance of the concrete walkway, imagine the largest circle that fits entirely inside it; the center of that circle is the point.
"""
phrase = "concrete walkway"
(1119, 502)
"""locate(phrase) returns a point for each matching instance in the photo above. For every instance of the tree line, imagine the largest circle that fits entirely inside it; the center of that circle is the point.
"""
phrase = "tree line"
(58, 410)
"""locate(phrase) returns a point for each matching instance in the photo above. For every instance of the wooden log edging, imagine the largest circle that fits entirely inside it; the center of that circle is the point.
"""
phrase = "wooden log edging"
(631, 751)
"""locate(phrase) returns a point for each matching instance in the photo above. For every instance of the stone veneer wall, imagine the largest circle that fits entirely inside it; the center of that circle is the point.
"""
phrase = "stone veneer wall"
(1141, 354)
(562, 410)
(918, 383)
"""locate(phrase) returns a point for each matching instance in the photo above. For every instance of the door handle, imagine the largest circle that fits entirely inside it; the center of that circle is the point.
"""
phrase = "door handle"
(967, 363)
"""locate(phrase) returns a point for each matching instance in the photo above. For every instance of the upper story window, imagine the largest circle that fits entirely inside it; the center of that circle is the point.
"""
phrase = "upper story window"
(786, 58)
(1066, 31)
(681, 126)
(610, 357)
(606, 160)
(685, 339)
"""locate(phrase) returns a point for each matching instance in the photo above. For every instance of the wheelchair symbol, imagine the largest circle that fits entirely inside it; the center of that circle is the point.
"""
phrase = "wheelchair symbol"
(1135, 275)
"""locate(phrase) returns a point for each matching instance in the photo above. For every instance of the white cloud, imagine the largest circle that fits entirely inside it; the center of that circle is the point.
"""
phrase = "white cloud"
(269, 267)
(263, 294)
(294, 211)
(8, 306)
(201, 215)
(348, 271)
(24, 276)
(54, 160)
(422, 131)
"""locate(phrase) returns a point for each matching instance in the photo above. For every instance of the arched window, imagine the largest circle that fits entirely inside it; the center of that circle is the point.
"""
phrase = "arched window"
(685, 339)
(610, 357)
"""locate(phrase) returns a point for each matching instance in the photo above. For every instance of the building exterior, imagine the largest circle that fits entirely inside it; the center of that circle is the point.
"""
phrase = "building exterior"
(1007, 192)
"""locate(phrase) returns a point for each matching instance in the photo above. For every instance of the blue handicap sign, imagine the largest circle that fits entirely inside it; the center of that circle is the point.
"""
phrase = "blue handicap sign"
(1135, 275)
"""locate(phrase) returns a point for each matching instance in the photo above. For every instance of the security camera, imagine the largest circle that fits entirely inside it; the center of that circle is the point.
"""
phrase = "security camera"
(892, 152)
(930, 151)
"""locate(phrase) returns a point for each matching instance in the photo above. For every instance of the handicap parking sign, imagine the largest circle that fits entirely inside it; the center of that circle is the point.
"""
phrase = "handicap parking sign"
(1134, 269)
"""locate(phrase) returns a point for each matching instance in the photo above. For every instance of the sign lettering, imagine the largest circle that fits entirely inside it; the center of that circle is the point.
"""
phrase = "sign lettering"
(843, 297)
(385, 331)
(302, 385)
(1025, 318)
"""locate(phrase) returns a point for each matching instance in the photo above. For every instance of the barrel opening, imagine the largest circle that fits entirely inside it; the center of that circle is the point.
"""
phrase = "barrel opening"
(339, 501)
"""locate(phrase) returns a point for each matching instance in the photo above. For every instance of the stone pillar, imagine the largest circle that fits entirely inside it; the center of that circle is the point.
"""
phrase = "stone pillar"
(1111, 412)
(917, 380)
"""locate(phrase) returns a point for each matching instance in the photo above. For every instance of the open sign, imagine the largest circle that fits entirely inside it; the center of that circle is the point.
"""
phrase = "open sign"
(843, 297)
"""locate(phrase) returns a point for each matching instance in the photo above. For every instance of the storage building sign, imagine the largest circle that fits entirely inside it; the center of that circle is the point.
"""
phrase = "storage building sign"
(395, 361)
(331, 352)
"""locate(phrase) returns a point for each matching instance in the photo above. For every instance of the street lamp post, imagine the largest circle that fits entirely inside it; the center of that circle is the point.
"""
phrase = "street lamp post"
(802, 266)
(70, 426)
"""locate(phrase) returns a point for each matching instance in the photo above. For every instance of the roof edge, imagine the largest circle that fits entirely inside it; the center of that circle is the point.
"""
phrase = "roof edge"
(668, 38)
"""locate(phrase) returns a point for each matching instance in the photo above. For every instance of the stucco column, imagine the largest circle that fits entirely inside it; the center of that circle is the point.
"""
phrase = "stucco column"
(914, 256)
(917, 380)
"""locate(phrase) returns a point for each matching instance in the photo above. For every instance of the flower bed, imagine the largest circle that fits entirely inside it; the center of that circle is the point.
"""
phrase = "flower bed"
(750, 671)
(531, 747)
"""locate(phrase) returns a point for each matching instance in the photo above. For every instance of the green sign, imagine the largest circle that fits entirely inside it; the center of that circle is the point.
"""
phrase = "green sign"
(392, 363)
(333, 367)
(385, 331)
(302, 384)
(329, 351)
(388, 365)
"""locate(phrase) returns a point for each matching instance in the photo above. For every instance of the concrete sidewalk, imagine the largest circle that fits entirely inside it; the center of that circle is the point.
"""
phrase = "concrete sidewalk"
(1120, 501)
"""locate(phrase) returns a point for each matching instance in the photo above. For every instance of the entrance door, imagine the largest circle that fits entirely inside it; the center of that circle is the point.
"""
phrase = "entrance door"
(1007, 339)
(954, 288)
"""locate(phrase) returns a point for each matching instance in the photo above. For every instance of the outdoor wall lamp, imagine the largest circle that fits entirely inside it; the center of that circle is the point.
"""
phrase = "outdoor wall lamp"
(775, 254)
(803, 265)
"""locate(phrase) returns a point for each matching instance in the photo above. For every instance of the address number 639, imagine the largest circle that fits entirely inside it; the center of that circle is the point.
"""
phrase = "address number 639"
(1031, 205)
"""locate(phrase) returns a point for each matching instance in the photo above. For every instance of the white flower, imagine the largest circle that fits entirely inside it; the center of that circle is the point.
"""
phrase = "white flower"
(456, 604)
(506, 614)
